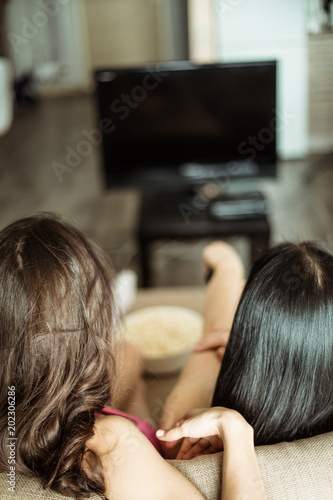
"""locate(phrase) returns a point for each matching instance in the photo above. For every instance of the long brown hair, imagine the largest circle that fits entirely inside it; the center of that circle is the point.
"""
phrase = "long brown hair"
(57, 318)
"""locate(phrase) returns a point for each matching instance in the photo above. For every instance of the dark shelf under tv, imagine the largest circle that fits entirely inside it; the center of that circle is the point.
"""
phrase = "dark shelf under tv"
(166, 178)
(178, 216)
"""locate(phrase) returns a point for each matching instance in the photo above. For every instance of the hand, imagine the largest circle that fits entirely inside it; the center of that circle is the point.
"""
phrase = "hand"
(190, 447)
(217, 339)
(205, 431)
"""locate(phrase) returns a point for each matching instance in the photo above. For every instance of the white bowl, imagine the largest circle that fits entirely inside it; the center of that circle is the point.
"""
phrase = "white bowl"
(165, 336)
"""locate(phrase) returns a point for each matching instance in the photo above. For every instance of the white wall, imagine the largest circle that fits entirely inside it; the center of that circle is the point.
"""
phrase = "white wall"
(203, 24)
(19, 51)
(250, 30)
(43, 35)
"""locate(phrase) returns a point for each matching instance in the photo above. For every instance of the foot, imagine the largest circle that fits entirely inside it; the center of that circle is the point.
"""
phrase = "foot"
(220, 254)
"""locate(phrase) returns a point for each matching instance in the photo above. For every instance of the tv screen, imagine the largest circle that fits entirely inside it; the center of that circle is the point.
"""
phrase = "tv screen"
(181, 123)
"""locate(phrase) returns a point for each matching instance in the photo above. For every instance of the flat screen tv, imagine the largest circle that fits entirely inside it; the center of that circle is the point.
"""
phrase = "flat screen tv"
(178, 124)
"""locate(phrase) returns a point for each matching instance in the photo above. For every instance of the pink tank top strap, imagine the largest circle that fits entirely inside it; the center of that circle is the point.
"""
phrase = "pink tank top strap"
(146, 429)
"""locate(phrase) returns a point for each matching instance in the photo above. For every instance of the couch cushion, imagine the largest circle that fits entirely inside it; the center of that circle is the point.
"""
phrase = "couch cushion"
(290, 471)
(28, 488)
(302, 470)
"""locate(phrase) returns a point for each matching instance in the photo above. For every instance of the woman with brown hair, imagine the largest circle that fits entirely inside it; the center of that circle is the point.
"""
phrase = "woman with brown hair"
(59, 365)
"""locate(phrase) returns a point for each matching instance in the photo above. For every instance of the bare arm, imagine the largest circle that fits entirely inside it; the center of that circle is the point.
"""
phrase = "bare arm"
(133, 469)
(240, 474)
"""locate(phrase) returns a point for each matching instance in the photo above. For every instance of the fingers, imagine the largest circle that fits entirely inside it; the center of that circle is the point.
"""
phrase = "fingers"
(187, 445)
(192, 447)
(170, 449)
(171, 435)
(171, 444)
(194, 426)
(174, 434)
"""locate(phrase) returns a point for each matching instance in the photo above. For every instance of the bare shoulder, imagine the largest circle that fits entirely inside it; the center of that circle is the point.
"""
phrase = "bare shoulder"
(104, 424)
(108, 431)
(132, 466)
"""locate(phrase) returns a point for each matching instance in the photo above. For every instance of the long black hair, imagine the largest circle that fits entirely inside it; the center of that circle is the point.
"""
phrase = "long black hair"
(277, 370)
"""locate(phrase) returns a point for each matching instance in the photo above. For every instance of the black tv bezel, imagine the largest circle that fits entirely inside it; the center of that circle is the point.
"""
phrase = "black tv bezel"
(162, 177)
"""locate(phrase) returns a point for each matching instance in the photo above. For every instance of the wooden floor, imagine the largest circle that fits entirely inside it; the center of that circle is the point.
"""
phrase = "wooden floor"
(300, 198)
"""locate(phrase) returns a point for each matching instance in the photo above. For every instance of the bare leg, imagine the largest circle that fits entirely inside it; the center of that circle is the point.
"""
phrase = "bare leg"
(196, 383)
(225, 287)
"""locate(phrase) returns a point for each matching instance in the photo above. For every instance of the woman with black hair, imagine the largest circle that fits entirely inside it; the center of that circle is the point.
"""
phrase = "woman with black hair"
(277, 367)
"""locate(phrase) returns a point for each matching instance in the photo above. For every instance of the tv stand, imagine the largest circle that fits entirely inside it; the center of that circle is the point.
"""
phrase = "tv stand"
(248, 206)
(183, 215)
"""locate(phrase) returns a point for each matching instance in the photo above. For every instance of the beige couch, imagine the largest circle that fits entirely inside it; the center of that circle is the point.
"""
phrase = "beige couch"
(302, 470)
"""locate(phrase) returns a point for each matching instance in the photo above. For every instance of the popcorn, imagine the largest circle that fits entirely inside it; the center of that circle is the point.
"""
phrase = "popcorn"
(163, 331)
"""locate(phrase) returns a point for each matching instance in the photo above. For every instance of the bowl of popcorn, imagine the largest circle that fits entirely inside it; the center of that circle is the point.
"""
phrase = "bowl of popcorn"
(165, 336)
